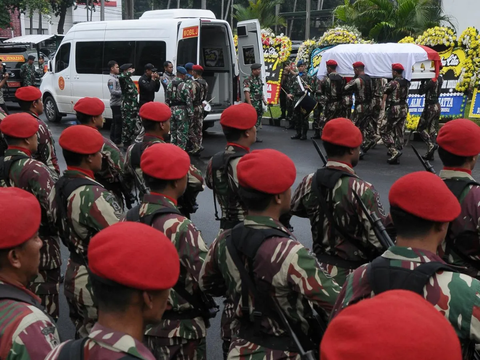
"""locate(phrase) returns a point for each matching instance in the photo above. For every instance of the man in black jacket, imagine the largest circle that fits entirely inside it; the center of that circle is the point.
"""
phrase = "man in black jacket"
(149, 84)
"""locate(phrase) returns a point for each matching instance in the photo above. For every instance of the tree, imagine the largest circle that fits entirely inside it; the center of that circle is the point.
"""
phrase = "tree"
(263, 10)
(60, 8)
(391, 20)
(8, 7)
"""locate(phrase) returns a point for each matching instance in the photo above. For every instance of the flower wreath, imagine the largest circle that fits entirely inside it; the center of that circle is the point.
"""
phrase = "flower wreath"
(280, 45)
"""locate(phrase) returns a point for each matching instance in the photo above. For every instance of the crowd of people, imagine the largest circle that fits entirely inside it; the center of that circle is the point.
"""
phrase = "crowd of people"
(140, 279)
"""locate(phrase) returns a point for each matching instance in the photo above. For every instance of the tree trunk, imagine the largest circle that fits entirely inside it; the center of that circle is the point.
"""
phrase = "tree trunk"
(40, 25)
(291, 21)
(61, 19)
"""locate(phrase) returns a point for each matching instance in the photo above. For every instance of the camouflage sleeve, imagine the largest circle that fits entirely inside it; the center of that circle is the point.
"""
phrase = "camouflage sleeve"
(351, 86)
(41, 184)
(195, 179)
(211, 279)
(475, 320)
(232, 174)
(104, 211)
(297, 204)
(115, 161)
(246, 85)
(187, 95)
(209, 175)
(46, 149)
(390, 87)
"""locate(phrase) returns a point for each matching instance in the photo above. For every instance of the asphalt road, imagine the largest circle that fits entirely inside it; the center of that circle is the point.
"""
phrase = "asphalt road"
(373, 169)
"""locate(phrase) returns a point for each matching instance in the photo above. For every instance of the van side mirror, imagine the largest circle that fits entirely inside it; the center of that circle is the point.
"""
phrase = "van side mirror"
(50, 65)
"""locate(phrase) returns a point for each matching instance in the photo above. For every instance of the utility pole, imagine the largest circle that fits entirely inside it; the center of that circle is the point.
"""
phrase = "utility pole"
(277, 12)
(102, 10)
(204, 4)
(178, 4)
(231, 15)
(307, 19)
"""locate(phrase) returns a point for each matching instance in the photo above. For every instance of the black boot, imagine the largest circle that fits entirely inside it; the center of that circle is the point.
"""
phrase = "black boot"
(304, 135)
(297, 136)
(291, 125)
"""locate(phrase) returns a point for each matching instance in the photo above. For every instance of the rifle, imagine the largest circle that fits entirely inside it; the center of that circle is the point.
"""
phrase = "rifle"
(320, 153)
(426, 164)
(377, 224)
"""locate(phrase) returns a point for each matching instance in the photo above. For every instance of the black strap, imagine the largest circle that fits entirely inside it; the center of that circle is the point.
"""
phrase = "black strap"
(5, 167)
(75, 349)
(368, 87)
(457, 186)
(9, 292)
(134, 214)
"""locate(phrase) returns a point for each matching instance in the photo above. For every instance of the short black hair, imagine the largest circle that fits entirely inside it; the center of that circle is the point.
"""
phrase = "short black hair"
(83, 118)
(72, 159)
(409, 226)
(166, 63)
(232, 134)
(333, 150)
(156, 184)
(149, 125)
(112, 297)
(449, 159)
(333, 67)
(12, 140)
(255, 200)
(199, 72)
(25, 105)
(400, 72)
(111, 64)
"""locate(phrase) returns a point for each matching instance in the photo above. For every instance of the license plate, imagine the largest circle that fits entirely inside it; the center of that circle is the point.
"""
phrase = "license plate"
(13, 84)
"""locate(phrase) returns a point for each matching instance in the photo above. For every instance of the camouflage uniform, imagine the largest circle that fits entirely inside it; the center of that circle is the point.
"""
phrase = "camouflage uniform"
(27, 74)
(318, 115)
(468, 222)
(131, 122)
(36, 178)
(104, 343)
(254, 85)
(166, 79)
(219, 277)
(378, 115)
(396, 110)
(90, 208)
(347, 104)
(332, 88)
(180, 99)
(174, 338)
(26, 333)
(348, 215)
(195, 134)
(428, 124)
(285, 103)
(299, 118)
(455, 295)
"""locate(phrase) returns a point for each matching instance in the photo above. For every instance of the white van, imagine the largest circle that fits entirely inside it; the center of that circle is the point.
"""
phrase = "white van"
(80, 68)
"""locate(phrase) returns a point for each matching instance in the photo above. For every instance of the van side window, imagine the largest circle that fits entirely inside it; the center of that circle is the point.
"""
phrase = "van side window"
(89, 57)
(122, 52)
(187, 51)
(62, 58)
(154, 52)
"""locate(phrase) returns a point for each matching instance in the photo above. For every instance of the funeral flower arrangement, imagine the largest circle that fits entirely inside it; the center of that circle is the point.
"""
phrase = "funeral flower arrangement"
(438, 35)
(280, 45)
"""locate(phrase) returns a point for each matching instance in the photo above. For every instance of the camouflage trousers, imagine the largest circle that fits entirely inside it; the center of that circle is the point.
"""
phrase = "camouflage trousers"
(228, 315)
(347, 104)
(179, 126)
(334, 110)
(258, 106)
(46, 286)
(428, 124)
(177, 348)
(131, 122)
(80, 299)
(378, 115)
(318, 118)
(394, 129)
(195, 134)
(243, 349)
(362, 118)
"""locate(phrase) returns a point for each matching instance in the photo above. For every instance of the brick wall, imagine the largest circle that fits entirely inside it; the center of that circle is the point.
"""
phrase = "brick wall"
(15, 20)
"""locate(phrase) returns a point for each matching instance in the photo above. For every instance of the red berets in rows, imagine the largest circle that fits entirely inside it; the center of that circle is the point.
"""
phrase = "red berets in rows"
(358, 64)
(21, 125)
(81, 139)
(134, 255)
(90, 106)
(342, 132)
(398, 67)
(28, 93)
(242, 116)
(155, 111)
(268, 171)
(332, 63)
(165, 162)
(197, 67)
(460, 137)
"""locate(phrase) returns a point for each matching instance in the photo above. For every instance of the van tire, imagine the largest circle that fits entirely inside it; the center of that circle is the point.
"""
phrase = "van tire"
(51, 110)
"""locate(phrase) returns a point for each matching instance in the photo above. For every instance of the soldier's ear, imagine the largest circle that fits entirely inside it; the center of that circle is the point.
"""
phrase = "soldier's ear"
(13, 258)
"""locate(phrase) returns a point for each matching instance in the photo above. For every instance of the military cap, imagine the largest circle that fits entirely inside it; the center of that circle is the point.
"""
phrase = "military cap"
(189, 66)
(332, 63)
(393, 325)
(197, 68)
(426, 196)
(181, 70)
(81, 139)
(126, 66)
(165, 162)
(20, 216)
(134, 255)
(242, 116)
(460, 137)
(21, 125)
(268, 171)
(149, 66)
(90, 106)
(300, 63)
(155, 111)
(398, 67)
(28, 93)
(358, 64)
(255, 66)
(342, 132)
(31, 57)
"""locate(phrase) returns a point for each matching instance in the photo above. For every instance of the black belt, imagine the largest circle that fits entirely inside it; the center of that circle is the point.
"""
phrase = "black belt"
(338, 261)
(177, 103)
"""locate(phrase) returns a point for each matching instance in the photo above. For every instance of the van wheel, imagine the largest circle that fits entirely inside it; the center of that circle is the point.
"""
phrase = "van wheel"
(51, 110)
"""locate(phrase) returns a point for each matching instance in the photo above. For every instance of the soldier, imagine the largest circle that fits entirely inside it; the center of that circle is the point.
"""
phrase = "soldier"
(253, 90)
(148, 84)
(115, 103)
(131, 123)
(156, 121)
(27, 332)
(299, 87)
(196, 128)
(396, 109)
(343, 239)
(167, 76)
(27, 72)
(112, 175)
(20, 170)
(459, 149)
(275, 259)
(332, 89)
(428, 124)
(393, 339)
(179, 98)
(127, 300)
(412, 264)
(30, 101)
(378, 113)
(285, 86)
(318, 116)
(84, 208)
(361, 85)
(42, 68)
(182, 331)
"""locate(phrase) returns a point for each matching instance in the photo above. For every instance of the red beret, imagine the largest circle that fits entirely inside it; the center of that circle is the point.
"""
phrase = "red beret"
(81, 139)
(398, 67)
(342, 132)
(394, 325)
(242, 116)
(28, 93)
(460, 137)
(165, 162)
(358, 64)
(155, 111)
(21, 125)
(332, 63)
(268, 171)
(20, 216)
(89, 106)
(426, 196)
(197, 67)
(134, 255)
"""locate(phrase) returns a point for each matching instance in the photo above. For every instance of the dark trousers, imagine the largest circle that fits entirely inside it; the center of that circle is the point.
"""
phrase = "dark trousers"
(116, 127)
(283, 104)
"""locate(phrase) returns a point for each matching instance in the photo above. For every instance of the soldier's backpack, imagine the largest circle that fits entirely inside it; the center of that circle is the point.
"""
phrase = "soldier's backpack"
(368, 87)
(74, 350)
(5, 167)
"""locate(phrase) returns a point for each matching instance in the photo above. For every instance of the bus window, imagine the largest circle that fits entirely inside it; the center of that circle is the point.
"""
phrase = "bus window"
(62, 58)
(122, 52)
(89, 57)
(153, 52)
(187, 51)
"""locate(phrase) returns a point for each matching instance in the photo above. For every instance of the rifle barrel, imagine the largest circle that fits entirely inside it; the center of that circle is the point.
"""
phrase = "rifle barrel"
(426, 164)
(320, 153)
